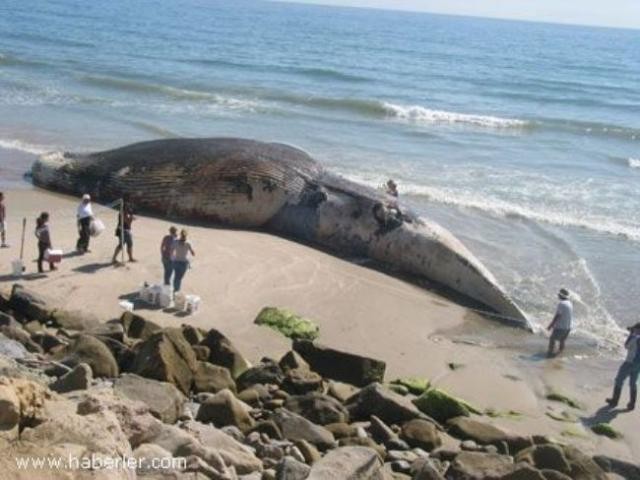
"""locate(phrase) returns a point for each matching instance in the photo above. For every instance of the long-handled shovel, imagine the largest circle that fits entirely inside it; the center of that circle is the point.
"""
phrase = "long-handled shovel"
(24, 228)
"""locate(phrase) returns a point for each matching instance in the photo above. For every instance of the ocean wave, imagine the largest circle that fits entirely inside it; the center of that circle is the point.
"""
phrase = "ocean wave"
(633, 162)
(422, 115)
(589, 128)
(313, 72)
(179, 94)
(330, 73)
(506, 209)
(13, 144)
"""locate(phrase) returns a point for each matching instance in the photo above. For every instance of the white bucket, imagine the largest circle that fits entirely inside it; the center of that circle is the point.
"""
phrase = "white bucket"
(126, 306)
(17, 267)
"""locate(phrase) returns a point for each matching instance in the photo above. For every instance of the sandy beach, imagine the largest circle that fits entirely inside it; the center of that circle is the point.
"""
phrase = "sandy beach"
(416, 332)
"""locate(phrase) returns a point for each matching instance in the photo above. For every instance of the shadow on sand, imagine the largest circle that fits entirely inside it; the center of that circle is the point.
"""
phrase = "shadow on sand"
(92, 267)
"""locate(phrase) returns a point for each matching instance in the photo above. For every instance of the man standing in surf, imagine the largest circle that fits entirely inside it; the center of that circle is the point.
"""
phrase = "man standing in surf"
(560, 326)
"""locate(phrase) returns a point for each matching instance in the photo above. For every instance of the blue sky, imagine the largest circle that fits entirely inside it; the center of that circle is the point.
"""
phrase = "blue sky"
(613, 13)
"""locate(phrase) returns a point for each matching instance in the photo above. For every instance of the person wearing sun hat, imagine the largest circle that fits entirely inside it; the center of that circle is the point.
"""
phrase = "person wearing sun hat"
(561, 324)
(630, 369)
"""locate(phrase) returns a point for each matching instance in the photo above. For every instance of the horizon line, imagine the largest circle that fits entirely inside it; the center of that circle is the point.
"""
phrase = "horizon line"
(320, 3)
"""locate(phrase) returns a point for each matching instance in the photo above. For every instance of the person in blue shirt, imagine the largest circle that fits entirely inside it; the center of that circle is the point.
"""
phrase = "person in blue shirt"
(629, 369)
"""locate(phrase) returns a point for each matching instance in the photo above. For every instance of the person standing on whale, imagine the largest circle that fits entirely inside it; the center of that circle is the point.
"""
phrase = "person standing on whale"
(561, 324)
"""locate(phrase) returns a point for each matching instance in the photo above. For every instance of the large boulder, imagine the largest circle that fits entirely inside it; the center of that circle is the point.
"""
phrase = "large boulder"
(421, 434)
(480, 466)
(583, 467)
(15, 332)
(624, 469)
(136, 326)
(291, 469)
(30, 305)
(267, 372)
(212, 378)
(348, 463)
(288, 323)
(383, 403)
(318, 408)
(137, 423)
(482, 433)
(75, 320)
(90, 350)
(545, 457)
(77, 379)
(168, 357)
(234, 453)
(295, 427)
(299, 381)
(222, 352)
(22, 404)
(165, 401)
(342, 366)
(223, 409)
(441, 406)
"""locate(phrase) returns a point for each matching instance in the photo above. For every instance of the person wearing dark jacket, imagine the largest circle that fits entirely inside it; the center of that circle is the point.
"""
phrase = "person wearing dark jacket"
(44, 240)
(630, 369)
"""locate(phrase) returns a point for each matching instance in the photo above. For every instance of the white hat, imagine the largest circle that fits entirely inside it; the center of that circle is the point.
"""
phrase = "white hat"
(86, 196)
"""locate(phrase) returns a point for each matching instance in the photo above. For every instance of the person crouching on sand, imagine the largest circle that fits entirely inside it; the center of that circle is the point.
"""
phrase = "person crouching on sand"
(166, 251)
(3, 222)
(629, 369)
(44, 240)
(85, 215)
(181, 250)
(124, 235)
(561, 323)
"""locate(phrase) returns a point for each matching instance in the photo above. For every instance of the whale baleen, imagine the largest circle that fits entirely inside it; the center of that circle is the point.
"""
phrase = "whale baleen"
(279, 189)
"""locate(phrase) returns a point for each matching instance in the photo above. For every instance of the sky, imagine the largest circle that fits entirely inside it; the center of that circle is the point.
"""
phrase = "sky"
(610, 13)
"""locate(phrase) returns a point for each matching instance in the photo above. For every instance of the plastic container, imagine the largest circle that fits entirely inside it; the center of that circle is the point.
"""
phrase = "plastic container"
(192, 304)
(18, 267)
(53, 256)
(126, 306)
(165, 297)
(96, 227)
(180, 301)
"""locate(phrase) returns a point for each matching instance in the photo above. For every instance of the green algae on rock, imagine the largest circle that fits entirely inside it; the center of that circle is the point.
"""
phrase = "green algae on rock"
(559, 397)
(288, 323)
(606, 430)
(415, 385)
(441, 406)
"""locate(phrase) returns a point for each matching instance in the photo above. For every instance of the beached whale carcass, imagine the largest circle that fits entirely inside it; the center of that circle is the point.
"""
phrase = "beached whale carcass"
(281, 189)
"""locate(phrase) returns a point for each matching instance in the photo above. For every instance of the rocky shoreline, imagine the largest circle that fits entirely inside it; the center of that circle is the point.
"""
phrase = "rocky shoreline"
(74, 385)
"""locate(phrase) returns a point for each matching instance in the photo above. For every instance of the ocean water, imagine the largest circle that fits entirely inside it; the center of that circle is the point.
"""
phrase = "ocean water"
(523, 139)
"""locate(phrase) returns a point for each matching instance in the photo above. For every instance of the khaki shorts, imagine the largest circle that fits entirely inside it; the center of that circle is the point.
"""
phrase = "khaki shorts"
(560, 334)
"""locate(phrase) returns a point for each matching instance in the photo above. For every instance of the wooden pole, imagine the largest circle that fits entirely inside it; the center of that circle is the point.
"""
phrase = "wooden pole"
(122, 229)
(24, 228)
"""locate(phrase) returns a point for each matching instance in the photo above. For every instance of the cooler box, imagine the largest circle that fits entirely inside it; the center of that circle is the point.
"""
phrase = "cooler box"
(53, 256)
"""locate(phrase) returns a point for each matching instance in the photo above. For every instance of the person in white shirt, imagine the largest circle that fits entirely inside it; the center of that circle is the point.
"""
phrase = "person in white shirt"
(561, 324)
(85, 215)
(629, 369)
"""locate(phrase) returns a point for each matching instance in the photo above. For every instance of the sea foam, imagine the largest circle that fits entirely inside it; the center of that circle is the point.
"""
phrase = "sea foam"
(13, 144)
(634, 162)
(422, 115)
